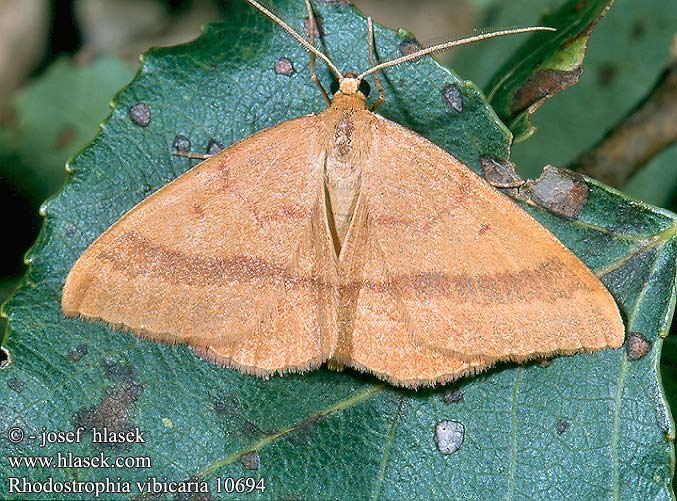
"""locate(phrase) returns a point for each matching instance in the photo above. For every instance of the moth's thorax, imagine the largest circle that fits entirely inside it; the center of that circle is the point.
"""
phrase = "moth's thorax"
(344, 133)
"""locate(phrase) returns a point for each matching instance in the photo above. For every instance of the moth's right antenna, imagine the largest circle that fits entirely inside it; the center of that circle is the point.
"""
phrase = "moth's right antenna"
(298, 37)
(436, 48)
(372, 61)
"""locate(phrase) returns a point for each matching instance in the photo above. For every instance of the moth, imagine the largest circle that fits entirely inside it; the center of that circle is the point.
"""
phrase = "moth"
(343, 238)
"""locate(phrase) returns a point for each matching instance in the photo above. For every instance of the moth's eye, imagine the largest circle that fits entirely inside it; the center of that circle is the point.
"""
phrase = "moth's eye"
(334, 87)
(364, 88)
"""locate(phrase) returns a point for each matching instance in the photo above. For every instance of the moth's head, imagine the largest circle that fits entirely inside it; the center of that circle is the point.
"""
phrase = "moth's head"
(350, 84)
(354, 85)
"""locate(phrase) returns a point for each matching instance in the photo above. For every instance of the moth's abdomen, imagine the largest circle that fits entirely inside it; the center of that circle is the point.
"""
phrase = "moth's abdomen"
(343, 171)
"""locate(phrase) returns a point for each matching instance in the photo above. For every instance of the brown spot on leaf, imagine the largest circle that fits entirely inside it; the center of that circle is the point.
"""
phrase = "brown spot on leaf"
(500, 173)
(140, 114)
(251, 460)
(449, 436)
(544, 83)
(453, 396)
(409, 47)
(120, 372)
(452, 95)
(562, 426)
(284, 66)
(541, 85)
(16, 385)
(65, 137)
(214, 147)
(559, 191)
(181, 143)
(637, 346)
(114, 412)
(229, 408)
(226, 405)
(318, 26)
(78, 352)
(301, 432)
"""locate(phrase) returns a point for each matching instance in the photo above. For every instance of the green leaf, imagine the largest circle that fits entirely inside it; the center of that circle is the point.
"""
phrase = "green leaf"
(544, 65)
(588, 426)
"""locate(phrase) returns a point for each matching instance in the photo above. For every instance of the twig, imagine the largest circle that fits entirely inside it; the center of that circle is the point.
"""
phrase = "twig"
(638, 137)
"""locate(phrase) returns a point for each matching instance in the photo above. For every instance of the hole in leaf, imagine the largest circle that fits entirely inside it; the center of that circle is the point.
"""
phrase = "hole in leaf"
(5, 358)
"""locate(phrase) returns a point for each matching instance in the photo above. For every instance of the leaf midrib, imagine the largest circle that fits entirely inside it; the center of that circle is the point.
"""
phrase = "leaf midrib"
(268, 439)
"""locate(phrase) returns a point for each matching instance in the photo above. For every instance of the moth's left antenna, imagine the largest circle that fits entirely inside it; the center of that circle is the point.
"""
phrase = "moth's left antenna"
(298, 37)
(312, 23)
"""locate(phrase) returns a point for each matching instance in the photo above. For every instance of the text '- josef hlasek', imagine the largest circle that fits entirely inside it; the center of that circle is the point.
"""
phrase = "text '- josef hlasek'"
(98, 436)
